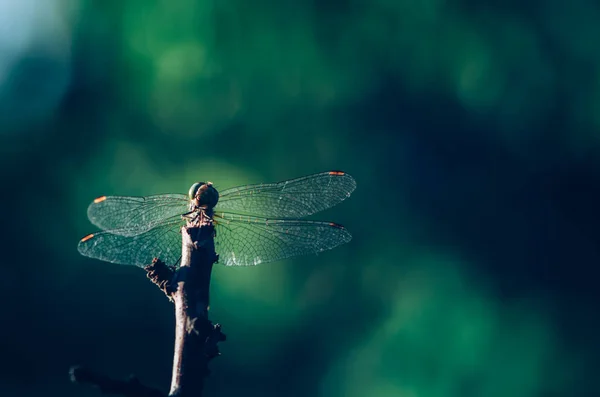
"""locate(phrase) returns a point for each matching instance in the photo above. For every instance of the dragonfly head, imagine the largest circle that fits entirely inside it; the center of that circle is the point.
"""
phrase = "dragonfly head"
(203, 194)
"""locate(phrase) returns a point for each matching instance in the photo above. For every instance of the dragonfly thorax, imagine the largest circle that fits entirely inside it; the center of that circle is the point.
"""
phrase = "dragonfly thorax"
(203, 194)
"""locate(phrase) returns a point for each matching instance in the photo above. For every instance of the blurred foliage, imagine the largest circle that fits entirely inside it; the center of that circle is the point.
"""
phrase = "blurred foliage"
(471, 128)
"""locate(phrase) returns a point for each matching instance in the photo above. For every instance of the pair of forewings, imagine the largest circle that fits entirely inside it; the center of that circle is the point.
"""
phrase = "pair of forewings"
(254, 224)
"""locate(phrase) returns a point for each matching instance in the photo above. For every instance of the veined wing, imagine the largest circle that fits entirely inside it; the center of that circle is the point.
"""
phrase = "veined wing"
(129, 216)
(246, 240)
(163, 242)
(295, 198)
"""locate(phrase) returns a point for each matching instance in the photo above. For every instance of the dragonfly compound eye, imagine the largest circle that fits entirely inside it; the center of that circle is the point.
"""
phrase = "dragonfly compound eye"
(204, 194)
(194, 190)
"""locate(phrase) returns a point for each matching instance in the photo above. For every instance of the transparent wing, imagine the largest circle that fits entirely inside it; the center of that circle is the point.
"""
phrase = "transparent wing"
(246, 240)
(295, 198)
(163, 242)
(129, 216)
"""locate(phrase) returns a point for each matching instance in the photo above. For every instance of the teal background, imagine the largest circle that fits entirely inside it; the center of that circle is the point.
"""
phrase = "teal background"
(472, 129)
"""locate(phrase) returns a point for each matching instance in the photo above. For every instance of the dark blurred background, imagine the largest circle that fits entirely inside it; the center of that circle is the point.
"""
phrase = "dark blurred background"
(472, 129)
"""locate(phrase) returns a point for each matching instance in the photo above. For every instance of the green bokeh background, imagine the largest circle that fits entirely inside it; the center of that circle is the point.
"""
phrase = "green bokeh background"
(472, 129)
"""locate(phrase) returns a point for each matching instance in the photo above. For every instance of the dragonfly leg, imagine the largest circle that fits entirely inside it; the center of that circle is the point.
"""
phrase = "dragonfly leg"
(187, 215)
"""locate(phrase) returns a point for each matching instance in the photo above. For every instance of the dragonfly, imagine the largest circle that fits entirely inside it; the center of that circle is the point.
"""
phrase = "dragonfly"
(254, 224)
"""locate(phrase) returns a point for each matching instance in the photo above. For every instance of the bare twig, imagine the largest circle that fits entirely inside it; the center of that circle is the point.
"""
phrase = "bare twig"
(196, 337)
(128, 388)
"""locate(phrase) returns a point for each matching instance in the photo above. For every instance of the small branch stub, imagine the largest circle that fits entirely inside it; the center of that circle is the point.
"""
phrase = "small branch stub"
(162, 275)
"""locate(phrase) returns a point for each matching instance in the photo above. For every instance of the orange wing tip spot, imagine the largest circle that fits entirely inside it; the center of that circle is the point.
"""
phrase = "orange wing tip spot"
(99, 199)
(86, 238)
(336, 225)
(337, 173)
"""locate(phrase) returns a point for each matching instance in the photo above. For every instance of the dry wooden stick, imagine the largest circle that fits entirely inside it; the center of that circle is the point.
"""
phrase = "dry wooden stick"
(196, 338)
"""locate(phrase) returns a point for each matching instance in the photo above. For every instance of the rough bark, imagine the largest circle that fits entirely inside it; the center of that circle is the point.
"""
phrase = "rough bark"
(196, 337)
